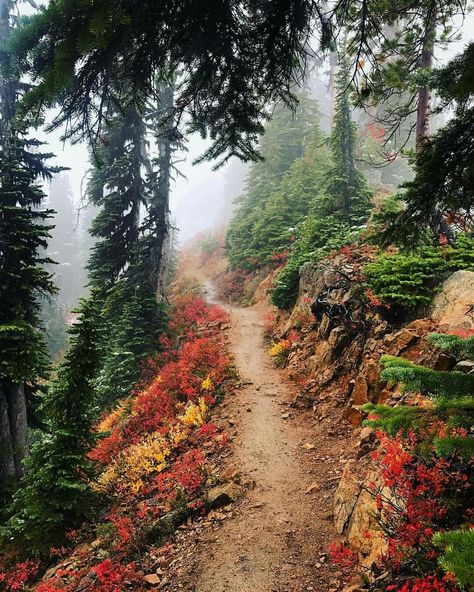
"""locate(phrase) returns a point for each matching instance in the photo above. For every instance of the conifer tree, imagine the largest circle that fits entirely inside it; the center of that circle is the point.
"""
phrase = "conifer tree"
(128, 265)
(283, 143)
(118, 188)
(23, 279)
(347, 194)
(55, 493)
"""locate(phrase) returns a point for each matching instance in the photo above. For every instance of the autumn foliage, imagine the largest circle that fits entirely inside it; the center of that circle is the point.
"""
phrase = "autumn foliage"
(153, 458)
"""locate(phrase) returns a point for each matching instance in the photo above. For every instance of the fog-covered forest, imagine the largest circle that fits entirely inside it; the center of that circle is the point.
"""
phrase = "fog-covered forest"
(236, 295)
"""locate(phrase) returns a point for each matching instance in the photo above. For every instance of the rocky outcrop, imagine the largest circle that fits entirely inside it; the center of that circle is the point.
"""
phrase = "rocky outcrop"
(339, 354)
(453, 307)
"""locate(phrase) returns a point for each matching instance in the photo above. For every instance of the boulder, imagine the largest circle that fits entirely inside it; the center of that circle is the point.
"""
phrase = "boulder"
(450, 308)
(466, 366)
(355, 514)
(345, 499)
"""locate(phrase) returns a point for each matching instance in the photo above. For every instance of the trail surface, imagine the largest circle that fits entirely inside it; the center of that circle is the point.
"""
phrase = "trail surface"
(275, 538)
(276, 541)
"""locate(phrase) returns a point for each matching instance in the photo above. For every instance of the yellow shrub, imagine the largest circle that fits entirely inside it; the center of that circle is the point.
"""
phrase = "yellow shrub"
(194, 414)
(207, 384)
(114, 418)
(135, 463)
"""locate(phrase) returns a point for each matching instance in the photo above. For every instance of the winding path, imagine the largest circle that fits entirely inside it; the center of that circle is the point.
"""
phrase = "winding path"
(272, 544)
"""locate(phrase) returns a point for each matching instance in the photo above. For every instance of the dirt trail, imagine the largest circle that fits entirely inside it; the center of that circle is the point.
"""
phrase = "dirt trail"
(275, 543)
(275, 539)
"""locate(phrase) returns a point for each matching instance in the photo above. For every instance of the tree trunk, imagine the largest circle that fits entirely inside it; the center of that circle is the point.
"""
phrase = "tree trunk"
(18, 425)
(162, 192)
(333, 67)
(7, 461)
(424, 92)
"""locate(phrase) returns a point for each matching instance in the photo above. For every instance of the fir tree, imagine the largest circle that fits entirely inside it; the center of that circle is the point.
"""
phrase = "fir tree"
(347, 194)
(118, 189)
(283, 144)
(23, 279)
(55, 493)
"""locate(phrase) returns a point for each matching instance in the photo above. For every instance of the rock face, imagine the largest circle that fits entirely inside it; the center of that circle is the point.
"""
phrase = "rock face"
(452, 307)
(341, 350)
(339, 356)
(355, 510)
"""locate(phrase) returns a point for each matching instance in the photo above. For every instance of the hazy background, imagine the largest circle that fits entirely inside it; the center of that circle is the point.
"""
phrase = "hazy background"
(203, 197)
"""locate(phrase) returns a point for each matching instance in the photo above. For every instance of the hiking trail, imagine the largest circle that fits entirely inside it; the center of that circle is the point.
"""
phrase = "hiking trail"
(278, 540)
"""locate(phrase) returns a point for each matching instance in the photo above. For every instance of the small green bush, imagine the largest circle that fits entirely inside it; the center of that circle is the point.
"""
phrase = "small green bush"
(409, 280)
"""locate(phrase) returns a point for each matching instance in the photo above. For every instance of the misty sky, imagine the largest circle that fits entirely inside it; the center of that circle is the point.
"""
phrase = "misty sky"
(197, 201)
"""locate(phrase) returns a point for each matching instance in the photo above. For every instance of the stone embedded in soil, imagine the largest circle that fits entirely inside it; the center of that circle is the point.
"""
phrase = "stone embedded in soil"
(152, 579)
(222, 495)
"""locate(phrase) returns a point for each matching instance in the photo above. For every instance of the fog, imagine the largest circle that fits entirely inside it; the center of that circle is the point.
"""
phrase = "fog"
(202, 197)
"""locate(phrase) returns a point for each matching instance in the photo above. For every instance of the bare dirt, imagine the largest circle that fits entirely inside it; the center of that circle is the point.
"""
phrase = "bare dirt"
(276, 538)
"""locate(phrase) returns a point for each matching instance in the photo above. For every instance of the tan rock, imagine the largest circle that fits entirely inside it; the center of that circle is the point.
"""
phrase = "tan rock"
(151, 579)
(360, 391)
(222, 495)
(345, 499)
(398, 342)
(450, 307)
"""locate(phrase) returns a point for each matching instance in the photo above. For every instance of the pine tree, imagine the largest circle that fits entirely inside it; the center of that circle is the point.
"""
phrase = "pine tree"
(283, 144)
(118, 189)
(347, 194)
(55, 494)
(23, 279)
(128, 265)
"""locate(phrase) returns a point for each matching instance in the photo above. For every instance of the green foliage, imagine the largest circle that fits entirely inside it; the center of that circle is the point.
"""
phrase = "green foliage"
(55, 494)
(393, 419)
(235, 60)
(453, 398)
(436, 383)
(133, 321)
(118, 189)
(452, 393)
(412, 279)
(458, 556)
(457, 345)
(209, 244)
(315, 239)
(441, 195)
(346, 192)
(338, 202)
(23, 279)
(126, 264)
(278, 189)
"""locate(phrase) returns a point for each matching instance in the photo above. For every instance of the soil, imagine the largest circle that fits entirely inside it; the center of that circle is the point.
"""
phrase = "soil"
(276, 538)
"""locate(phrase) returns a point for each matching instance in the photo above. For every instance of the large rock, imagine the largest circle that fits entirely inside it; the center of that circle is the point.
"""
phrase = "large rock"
(450, 308)
(354, 514)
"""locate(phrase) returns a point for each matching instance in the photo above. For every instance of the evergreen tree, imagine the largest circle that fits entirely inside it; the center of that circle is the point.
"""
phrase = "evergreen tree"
(23, 279)
(128, 265)
(440, 199)
(334, 193)
(118, 189)
(347, 194)
(283, 143)
(55, 494)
